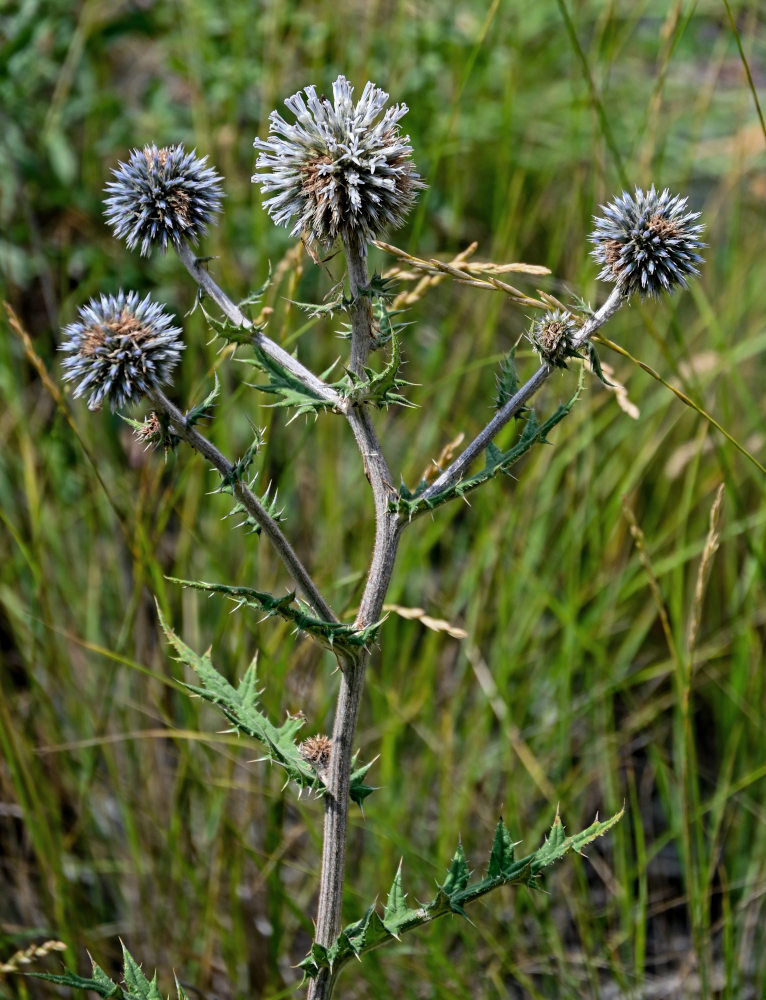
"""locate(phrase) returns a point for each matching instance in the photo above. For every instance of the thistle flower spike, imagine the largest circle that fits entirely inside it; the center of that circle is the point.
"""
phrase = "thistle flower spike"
(647, 243)
(120, 349)
(341, 169)
(162, 196)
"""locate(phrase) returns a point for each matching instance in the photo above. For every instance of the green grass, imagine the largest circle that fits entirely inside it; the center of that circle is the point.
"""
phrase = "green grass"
(124, 812)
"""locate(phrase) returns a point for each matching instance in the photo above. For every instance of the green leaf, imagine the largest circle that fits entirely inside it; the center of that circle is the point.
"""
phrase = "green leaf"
(288, 390)
(334, 636)
(241, 467)
(255, 297)
(204, 410)
(507, 380)
(370, 932)
(269, 503)
(595, 364)
(139, 987)
(100, 983)
(326, 309)
(458, 874)
(241, 707)
(502, 854)
(379, 388)
(495, 462)
(396, 906)
(224, 328)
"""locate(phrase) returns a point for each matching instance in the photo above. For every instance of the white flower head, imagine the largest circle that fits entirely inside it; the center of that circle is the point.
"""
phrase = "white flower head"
(342, 169)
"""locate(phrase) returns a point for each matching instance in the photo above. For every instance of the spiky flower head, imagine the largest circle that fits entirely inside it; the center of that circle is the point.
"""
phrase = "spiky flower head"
(316, 750)
(551, 336)
(120, 349)
(341, 169)
(647, 243)
(162, 196)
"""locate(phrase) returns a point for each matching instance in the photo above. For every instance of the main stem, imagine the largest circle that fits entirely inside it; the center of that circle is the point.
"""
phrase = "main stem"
(387, 529)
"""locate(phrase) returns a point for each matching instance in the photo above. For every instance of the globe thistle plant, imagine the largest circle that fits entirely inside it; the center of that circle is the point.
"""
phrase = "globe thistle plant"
(341, 169)
(120, 349)
(647, 243)
(551, 336)
(162, 196)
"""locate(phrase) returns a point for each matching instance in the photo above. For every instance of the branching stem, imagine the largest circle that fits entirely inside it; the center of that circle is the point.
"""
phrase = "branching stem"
(235, 315)
(457, 470)
(249, 501)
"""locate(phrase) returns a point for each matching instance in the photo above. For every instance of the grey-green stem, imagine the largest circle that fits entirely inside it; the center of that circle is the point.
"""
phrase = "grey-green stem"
(180, 426)
(387, 530)
(457, 470)
(235, 315)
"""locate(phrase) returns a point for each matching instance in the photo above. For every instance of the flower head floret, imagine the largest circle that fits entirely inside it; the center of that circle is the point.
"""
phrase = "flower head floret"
(120, 349)
(647, 243)
(162, 196)
(552, 335)
(341, 169)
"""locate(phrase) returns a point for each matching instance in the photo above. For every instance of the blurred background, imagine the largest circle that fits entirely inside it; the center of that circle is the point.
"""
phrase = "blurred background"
(124, 811)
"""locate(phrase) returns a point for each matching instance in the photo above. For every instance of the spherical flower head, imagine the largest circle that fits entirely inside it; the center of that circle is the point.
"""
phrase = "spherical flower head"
(551, 336)
(341, 170)
(162, 196)
(647, 244)
(120, 349)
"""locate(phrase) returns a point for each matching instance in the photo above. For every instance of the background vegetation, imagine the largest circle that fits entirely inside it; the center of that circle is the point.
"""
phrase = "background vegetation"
(123, 812)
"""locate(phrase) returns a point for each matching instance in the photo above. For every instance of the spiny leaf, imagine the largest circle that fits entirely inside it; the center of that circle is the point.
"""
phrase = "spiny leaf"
(289, 390)
(100, 984)
(502, 854)
(203, 410)
(453, 896)
(380, 288)
(379, 388)
(241, 467)
(139, 987)
(326, 309)
(595, 364)
(241, 707)
(396, 906)
(507, 380)
(224, 328)
(109, 988)
(496, 461)
(255, 296)
(332, 635)
(269, 503)
(458, 874)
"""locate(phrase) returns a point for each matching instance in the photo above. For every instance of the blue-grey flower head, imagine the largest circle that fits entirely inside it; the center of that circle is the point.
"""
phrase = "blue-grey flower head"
(647, 243)
(162, 196)
(342, 169)
(551, 336)
(120, 349)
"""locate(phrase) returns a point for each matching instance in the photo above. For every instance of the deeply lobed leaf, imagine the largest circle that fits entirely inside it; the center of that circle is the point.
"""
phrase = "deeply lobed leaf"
(453, 895)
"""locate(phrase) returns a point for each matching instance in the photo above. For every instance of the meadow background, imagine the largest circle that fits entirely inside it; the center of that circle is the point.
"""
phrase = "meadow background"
(124, 812)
